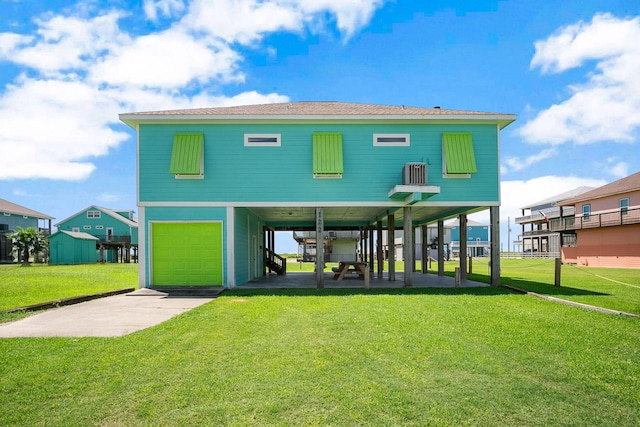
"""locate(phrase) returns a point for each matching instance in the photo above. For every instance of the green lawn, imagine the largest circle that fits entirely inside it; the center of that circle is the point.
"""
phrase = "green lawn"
(442, 357)
(21, 286)
(338, 357)
(612, 288)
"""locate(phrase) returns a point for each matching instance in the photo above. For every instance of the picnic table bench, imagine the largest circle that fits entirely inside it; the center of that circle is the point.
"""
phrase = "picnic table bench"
(352, 267)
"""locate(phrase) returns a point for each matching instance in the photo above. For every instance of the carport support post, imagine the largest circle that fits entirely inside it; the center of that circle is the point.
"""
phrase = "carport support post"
(391, 244)
(371, 249)
(379, 249)
(319, 248)
(494, 212)
(408, 248)
(424, 233)
(441, 248)
(463, 246)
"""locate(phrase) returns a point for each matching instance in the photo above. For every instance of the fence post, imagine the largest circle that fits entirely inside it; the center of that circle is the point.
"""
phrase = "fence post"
(470, 265)
(558, 270)
(457, 277)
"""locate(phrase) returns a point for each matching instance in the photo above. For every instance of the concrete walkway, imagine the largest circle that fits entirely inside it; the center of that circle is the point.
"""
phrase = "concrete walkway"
(112, 316)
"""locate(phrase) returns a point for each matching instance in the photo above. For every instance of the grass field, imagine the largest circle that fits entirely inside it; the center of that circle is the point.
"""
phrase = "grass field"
(441, 357)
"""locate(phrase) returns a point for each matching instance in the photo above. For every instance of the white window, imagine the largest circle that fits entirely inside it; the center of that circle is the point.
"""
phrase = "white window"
(86, 227)
(99, 227)
(391, 139)
(586, 212)
(262, 140)
(93, 214)
(7, 214)
(624, 206)
(75, 229)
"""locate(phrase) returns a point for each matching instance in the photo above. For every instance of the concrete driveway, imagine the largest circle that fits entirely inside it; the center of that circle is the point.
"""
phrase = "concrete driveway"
(112, 316)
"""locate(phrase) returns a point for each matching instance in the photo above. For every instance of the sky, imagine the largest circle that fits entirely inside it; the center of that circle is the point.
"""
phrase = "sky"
(568, 70)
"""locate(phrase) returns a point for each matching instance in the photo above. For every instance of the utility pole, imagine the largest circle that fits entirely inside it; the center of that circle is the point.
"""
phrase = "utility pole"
(509, 235)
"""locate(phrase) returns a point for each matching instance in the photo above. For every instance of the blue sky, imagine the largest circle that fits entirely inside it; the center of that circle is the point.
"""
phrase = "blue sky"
(569, 71)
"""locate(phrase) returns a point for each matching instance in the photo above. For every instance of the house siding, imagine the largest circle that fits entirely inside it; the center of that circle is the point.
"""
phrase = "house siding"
(248, 225)
(606, 247)
(230, 167)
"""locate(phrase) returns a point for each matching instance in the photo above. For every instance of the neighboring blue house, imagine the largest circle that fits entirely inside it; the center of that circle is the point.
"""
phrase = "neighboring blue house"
(116, 233)
(13, 216)
(214, 184)
(478, 244)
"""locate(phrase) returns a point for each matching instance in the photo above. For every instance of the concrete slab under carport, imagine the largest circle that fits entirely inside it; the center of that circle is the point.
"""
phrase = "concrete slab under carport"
(306, 280)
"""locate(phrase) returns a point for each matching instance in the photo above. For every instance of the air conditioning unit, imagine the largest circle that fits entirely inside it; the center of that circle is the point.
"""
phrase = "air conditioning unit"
(414, 174)
(332, 234)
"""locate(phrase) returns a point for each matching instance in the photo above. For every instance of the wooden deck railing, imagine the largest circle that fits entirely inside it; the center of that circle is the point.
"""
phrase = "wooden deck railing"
(596, 220)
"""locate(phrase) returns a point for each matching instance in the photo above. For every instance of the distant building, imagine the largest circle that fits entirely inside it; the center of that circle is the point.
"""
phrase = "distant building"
(478, 244)
(603, 227)
(13, 216)
(116, 234)
(536, 239)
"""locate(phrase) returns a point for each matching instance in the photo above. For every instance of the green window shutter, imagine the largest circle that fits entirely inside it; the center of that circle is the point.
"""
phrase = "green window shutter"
(327, 154)
(458, 153)
(186, 157)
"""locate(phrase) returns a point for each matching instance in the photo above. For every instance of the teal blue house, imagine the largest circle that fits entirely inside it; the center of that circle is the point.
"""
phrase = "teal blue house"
(477, 239)
(116, 232)
(72, 247)
(214, 184)
(13, 216)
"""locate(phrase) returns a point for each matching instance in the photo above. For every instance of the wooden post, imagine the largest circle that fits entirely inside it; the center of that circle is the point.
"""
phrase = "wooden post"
(319, 248)
(426, 261)
(457, 280)
(379, 249)
(440, 248)
(391, 231)
(463, 246)
(470, 265)
(371, 249)
(495, 245)
(558, 271)
(408, 247)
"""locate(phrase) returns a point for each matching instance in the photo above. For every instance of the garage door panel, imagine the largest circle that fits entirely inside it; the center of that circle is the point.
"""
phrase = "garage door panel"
(186, 253)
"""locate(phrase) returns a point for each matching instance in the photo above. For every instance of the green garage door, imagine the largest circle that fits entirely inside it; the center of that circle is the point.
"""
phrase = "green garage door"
(186, 253)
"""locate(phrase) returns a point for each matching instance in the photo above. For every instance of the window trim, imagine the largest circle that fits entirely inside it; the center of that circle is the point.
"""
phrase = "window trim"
(445, 173)
(86, 227)
(378, 136)
(176, 154)
(624, 210)
(94, 214)
(249, 136)
(99, 227)
(7, 213)
(586, 212)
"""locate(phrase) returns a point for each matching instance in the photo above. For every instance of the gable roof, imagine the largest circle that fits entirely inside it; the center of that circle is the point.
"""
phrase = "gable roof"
(624, 185)
(76, 235)
(559, 197)
(107, 211)
(10, 207)
(316, 110)
(470, 223)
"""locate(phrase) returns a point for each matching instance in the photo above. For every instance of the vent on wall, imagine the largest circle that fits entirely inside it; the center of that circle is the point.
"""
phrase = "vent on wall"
(414, 174)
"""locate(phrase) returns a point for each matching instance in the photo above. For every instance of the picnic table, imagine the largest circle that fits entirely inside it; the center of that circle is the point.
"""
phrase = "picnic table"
(352, 267)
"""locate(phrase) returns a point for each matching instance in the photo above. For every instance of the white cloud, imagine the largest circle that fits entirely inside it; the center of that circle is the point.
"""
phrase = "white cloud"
(81, 70)
(167, 8)
(171, 59)
(108, 197)
(620, 169)
(606, 107)
(513, 164)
